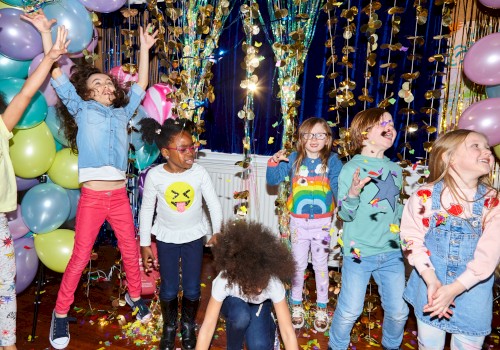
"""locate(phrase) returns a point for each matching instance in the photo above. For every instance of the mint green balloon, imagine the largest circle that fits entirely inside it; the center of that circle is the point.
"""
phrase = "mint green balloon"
(145, 156)
(18, 3)
(10, 68)
(36, 111)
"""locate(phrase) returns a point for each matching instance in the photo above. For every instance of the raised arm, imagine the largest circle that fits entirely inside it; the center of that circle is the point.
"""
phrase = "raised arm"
(17, 106)
(147, 38)
(43, 25)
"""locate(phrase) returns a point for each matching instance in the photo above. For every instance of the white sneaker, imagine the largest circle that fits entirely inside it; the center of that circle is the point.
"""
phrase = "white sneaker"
(298, 316)
(321, 320)
(59, 331)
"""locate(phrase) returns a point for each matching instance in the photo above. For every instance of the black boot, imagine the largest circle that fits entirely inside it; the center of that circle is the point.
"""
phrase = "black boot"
(188, 317)
(169, 310)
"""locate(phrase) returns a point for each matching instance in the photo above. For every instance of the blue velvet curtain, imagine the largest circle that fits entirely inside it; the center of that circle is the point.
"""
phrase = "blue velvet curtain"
(224, 130)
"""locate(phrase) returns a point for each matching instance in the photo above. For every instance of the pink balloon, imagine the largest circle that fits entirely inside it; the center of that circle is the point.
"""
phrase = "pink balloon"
(482, 61)
(17, 227)
(157, 104)
(65, 63)
(91, 47)
(483, 117)
(494, 4)
(123, 77)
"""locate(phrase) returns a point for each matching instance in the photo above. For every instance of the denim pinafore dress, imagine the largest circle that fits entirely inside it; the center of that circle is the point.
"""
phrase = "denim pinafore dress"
(451, 245)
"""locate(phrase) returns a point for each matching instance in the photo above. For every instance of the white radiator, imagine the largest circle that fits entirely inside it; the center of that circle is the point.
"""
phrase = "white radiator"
(227, 179)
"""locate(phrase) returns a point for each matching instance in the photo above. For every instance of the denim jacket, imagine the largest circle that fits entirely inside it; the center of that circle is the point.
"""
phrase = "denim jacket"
(102, 137)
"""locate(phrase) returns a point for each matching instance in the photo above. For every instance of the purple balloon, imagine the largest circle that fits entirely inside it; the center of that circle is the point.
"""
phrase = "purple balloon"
(26, 262)
(17, 227)
(142, 179)
(18, 39)
(104, 6)
(65, 63)
(482, 63)
(25, 184)
(483, 117)
(494, 4)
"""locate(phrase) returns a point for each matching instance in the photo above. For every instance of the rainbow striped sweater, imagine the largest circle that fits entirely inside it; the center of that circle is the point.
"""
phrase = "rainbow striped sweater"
(313, 189)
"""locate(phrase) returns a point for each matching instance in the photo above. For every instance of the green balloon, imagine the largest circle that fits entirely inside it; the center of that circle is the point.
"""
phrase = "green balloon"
(10, 68)
(64, 169)
(32, 151)
(54, 248)
(36, 111)
(145, 156)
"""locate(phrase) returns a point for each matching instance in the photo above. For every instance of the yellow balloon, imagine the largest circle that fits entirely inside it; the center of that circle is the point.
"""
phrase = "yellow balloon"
(32, 151)
(496, 149)
(54, 248)
(64, 169)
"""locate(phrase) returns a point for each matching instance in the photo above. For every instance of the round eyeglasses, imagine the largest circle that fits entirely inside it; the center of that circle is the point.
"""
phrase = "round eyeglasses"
(317, 136)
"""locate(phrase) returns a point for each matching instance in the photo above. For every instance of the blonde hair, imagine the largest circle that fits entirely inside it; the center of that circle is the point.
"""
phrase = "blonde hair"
(306, 127)
(440, 162)
(361, 123)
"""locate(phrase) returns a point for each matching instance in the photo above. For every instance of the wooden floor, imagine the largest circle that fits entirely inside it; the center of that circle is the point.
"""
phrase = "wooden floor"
(100, 325)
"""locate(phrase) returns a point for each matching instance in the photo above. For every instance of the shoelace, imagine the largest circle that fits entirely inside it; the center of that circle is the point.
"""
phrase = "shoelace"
(61, 327)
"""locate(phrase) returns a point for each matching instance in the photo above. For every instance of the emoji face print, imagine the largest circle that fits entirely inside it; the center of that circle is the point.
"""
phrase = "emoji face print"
(179, 196)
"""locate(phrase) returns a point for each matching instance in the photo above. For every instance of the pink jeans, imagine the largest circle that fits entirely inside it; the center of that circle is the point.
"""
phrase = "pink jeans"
(93, 208)
(311, 235)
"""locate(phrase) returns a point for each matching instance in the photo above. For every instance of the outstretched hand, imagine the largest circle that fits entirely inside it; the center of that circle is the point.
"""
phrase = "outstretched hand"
(60, 47)
(39, 21)
(147, 36)
(357, 184)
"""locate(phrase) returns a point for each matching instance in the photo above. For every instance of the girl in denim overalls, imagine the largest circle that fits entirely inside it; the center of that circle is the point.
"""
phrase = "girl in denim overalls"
(450, 231)
(98, 112)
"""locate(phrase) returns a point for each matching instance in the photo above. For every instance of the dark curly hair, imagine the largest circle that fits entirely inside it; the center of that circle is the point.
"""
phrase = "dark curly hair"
(249, 254)
(79, 76)
(3, 103)
(162, 135)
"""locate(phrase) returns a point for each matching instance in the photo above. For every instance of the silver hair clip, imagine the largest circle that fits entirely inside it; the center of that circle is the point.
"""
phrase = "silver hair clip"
(158, 131)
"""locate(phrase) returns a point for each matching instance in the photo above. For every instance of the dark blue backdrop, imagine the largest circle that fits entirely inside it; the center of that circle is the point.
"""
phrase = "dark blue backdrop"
(224, 130)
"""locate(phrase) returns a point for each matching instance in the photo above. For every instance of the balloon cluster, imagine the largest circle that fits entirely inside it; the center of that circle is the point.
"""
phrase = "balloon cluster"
(39, 225)
(482, 66)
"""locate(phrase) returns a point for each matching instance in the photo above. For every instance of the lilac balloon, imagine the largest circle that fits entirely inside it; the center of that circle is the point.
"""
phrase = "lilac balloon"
(18, 39)
(482, 61)
(494, 4)
(142, 179)
(104, 6)
(91, 47)
(65, 63)
(25, 184)
(483, 117)
(26, 262)
(17, 227)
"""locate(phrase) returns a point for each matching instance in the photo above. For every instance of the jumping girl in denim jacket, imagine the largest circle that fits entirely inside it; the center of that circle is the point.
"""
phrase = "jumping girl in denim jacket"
(101, 109)
(313, 171)
(450, 231)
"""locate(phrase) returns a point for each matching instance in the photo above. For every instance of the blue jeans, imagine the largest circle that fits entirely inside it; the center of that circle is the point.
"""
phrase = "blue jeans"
(191, 255)
(250, 322)
(388, 271)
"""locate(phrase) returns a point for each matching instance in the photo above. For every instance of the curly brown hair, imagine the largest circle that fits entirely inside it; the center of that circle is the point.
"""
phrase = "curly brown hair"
(249, 254)
(79, 76)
